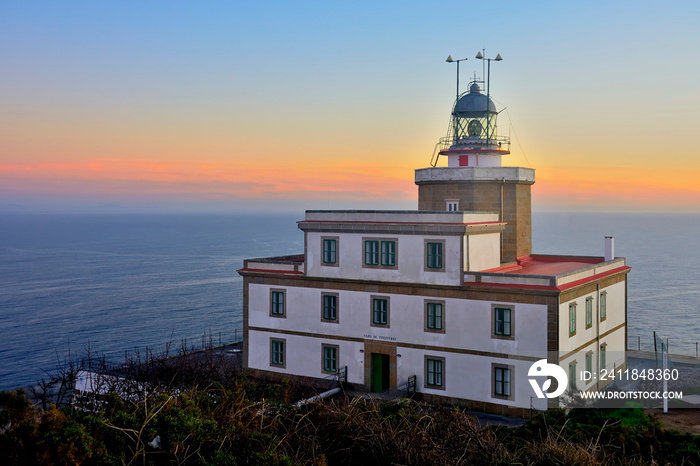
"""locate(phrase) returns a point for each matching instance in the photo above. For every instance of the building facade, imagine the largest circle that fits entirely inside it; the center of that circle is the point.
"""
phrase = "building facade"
(450, 293)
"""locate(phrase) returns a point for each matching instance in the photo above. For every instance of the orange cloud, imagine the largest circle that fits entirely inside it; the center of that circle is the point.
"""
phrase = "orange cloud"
(635, 188)
(281, 180)
(272, 179)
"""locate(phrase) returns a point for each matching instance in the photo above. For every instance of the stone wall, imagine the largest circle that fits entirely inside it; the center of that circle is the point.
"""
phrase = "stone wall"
(511, 199)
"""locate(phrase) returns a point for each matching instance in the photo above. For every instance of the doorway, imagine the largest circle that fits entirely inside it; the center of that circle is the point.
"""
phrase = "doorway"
(380, 372)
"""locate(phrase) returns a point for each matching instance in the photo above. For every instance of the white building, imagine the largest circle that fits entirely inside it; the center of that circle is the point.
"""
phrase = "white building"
(450, 294)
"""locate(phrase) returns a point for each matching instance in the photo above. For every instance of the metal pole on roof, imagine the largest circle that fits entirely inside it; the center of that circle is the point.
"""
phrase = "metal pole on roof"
(450, 60)
(488, 99)
(454, 117)
(488, 92)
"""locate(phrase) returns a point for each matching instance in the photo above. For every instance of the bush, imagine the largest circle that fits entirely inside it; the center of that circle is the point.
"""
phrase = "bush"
(243, 421)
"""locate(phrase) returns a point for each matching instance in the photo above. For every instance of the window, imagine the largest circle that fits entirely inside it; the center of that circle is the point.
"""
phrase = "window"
(329, 308)
(603, 349)
(434, 372)
(380, 311)
(603, 306)
(502, 382)
(434, 255)
(589, 362)
(572, 376)
(380, 252)
(433, 316)
(277, 303)
(502, 321)
(277, 356)
(371, 252)
(330, 358)
(572, 319)
(330, 251)
(389, 253)
(452, 205)
(589, 312)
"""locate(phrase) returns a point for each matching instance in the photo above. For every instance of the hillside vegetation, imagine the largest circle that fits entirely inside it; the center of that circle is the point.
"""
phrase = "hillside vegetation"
(195, 410)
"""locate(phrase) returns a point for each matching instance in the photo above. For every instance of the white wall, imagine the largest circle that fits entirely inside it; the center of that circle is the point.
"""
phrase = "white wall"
(304, 355)
(410, 259)
(474, 160)
(468, 326)
(615, 316)
(469, 377)
(468, 323)
(483, 251)
(614, 358)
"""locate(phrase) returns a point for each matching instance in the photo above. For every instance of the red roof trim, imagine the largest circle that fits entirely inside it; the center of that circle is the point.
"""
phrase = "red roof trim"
(576, 283)
(474, 151)
(401, 223)
(563, 287)
(292, 272)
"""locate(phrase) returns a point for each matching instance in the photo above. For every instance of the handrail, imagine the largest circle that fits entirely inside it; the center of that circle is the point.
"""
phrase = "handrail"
(436, 155)
(411, 385)
(449, 142)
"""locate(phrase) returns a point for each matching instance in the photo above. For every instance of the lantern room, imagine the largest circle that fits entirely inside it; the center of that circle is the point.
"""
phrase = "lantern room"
(474, 118)
(472, 138)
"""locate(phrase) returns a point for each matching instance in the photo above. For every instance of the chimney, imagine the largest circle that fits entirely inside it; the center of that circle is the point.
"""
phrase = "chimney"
(609, 248)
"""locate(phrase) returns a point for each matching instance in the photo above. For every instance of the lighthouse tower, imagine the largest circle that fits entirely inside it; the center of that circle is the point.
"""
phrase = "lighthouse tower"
(475, 178)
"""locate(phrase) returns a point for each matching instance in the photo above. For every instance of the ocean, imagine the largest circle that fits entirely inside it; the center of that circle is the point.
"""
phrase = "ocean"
(110, 284)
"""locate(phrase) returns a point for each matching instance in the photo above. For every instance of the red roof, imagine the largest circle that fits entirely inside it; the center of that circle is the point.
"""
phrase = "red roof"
(547, 265)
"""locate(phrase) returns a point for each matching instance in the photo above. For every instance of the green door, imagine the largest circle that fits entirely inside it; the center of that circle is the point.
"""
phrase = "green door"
(380, 372)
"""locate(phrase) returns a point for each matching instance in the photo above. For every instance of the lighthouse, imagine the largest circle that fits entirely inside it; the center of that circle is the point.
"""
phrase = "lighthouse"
(475, 178)
(447, 301)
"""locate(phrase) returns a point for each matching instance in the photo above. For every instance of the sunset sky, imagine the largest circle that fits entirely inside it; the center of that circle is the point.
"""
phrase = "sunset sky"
(272, 105)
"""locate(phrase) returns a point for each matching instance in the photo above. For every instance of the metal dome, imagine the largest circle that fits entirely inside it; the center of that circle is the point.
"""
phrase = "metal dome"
(473, 104)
